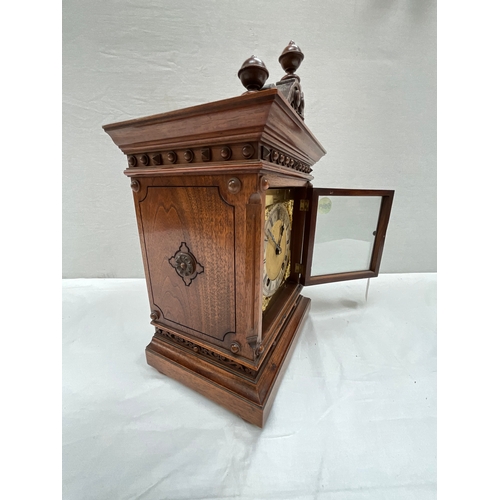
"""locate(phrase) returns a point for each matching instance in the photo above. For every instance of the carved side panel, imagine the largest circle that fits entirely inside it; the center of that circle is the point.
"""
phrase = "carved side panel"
(189, 237)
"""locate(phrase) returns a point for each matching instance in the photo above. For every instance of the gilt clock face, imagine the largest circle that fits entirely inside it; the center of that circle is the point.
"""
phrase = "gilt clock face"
(277, 238)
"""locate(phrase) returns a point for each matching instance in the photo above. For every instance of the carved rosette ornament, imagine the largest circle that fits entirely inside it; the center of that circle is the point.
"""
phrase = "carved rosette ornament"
(248, 151)
(189, 155)
(185, 264)
(235, 348)
(284, 159)
(234, 185)
(225, 153)
(172, 156)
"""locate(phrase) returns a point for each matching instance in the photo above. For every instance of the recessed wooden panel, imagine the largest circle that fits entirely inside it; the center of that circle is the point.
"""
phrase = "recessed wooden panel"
(196, 218)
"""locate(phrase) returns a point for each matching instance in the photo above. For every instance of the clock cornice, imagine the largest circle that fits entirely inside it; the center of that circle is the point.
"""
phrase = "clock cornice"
(263, 117)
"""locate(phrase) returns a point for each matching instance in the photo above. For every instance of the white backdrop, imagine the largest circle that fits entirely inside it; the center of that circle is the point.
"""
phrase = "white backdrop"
(354, 417)
(369, 78)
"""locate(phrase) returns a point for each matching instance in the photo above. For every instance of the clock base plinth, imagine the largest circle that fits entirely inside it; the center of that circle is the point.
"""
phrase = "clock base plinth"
(250, 398)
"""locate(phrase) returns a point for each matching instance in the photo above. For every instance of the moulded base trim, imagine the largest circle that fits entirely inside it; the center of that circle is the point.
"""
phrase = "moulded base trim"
(249, 399)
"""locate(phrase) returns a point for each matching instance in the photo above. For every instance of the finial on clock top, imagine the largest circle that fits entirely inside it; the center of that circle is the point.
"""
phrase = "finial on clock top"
(253, 74)
(290, 60)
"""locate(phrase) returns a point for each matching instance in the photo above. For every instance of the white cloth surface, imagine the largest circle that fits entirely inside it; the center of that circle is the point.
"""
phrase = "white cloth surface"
(354, 417)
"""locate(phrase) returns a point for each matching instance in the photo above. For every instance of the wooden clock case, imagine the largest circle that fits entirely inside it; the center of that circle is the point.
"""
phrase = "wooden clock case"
(199, 178)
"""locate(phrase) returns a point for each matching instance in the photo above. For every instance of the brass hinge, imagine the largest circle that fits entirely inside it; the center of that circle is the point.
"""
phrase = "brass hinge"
(304, 205)
(299, 268)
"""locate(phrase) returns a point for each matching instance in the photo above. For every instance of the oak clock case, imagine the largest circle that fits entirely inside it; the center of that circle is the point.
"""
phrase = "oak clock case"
(231, 230)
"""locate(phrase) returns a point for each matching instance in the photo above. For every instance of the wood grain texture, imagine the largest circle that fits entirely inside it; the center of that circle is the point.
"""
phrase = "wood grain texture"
(250, 399)
(260, 116)
(199, 217)
(199, 178)
(223, 229)
(283, 176)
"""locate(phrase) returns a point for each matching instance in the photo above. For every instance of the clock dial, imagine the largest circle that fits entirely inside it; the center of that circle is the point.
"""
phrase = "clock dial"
(277, 232)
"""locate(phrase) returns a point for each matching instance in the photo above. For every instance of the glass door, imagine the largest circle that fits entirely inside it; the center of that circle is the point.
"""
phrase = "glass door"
(344, 234)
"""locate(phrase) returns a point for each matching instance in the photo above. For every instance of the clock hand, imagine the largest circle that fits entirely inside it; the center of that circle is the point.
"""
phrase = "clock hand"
(278, 248)
(282, 230)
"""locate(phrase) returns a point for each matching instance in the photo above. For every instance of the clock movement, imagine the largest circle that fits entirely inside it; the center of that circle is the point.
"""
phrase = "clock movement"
(231, 230)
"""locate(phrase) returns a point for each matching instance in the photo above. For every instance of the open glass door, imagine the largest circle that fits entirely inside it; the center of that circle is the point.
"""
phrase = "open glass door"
(344, 234)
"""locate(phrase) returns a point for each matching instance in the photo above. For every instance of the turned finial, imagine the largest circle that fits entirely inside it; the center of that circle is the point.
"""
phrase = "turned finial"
(253, 74)
(290, 60)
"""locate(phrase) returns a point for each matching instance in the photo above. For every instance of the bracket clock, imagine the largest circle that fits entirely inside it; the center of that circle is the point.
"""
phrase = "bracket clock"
(231, 230)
